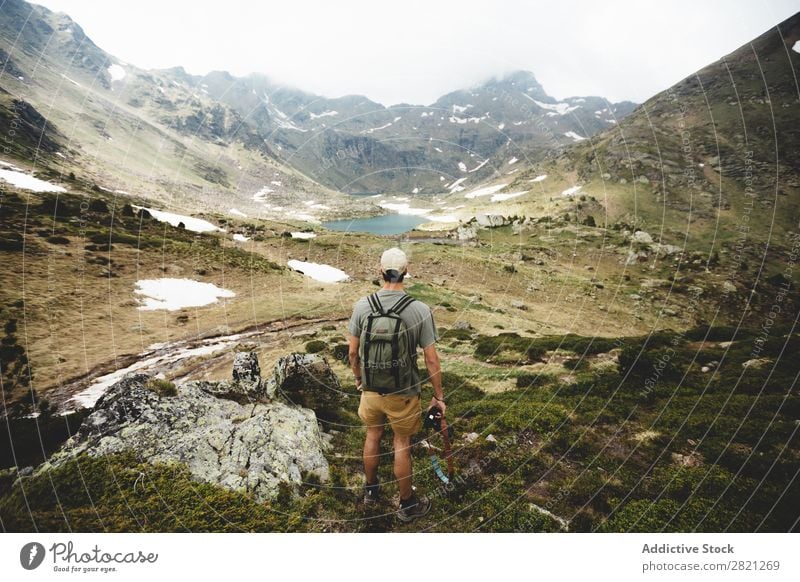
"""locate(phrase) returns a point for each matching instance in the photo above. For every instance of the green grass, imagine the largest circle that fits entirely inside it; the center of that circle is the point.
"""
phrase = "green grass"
(572, 448)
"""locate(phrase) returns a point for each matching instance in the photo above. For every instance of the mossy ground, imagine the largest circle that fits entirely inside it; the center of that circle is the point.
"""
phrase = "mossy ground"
(607, 451)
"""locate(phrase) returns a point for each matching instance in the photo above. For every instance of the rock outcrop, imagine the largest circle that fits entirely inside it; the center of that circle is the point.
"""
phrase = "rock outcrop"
(307, 380)
(251, 446)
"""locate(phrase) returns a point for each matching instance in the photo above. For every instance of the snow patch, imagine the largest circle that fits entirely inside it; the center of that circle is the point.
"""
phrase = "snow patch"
(303, 235)
(479, 166)
(174, 294)
(557, 108)
(261, 195)
(462, 166)
(240, 237)
(512, 161)
(574, 136)
(323, 114)
(462, 120)
(373, 129)
(236, 212)
(509, 196)
(539, 178)
(117, 73)
(318, 272)
(28, 182)
(191, 223)
(571, 191)
(485, 191)
(796, 47)
(456, 186)
(404, 208)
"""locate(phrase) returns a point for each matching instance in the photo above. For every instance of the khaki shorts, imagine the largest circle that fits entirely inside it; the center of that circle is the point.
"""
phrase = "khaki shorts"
(403, 412)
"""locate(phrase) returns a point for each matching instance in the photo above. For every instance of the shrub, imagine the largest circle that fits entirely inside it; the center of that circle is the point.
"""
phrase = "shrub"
(315, 346)
(162, 387)
(341, 353)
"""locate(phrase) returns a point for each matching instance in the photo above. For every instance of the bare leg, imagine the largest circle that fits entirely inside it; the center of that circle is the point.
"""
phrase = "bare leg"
(402, 465)
(372, 449)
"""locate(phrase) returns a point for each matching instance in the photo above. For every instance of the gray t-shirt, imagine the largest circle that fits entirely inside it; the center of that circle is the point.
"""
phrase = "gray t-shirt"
(418, 318)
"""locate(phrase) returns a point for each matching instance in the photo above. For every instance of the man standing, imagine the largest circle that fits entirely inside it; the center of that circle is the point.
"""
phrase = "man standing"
(386, 373)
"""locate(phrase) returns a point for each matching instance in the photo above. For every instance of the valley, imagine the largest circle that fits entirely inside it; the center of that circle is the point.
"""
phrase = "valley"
(614, 285)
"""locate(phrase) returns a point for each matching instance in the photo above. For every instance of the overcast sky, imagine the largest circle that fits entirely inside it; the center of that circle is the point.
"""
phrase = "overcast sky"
(415, 51)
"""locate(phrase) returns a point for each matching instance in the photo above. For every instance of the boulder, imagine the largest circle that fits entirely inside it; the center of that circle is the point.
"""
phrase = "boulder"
(467, 231)
(246, 370)
(757, 363)
(643, 237)
(492, 220)
(247, 384)
(307, 380)
(250, 448)
(471, 437)
(519, 305)
(462, 325)
(693, 459)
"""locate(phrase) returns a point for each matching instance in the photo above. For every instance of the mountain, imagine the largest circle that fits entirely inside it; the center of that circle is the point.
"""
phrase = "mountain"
(354, 144)
(78, 111)
(711, 162)
(216, 141)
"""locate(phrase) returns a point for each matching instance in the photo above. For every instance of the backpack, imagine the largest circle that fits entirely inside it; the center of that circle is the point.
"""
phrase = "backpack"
(386, 358)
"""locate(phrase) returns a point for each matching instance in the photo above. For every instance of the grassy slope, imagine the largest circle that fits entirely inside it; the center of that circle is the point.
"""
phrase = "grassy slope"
(599, 451)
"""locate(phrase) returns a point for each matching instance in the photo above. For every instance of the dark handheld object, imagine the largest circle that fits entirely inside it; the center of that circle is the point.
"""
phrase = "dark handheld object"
(434, 420)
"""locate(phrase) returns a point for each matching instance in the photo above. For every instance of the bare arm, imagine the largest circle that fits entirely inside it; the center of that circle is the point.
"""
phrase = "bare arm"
(355, 363)
(435, 373)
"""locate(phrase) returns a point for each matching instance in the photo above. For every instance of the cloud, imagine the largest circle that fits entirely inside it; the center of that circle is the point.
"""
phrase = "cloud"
(416, 51)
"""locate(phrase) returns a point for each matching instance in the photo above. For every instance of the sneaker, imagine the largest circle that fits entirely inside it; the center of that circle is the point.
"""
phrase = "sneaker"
(413, 508)
(372, 494)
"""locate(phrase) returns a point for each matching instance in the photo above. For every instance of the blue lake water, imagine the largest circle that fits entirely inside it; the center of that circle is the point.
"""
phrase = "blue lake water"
(386, 224)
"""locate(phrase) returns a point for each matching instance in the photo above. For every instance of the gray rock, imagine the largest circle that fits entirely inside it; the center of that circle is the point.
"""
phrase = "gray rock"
(728, 287)
(519, 305)
(665, 250)
(248, 448)
(462, 325)
(491, 438)
(756, 363)
(636, 257)
(471, 437)
(654, 283)
(246, 386)
(492, 220)
(643, 237)
(307, 380)
(693, 459)
(467, 231)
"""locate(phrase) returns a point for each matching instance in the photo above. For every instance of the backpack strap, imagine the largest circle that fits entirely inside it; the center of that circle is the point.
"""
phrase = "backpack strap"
(375, 304)
(404, 302)
(396, 353)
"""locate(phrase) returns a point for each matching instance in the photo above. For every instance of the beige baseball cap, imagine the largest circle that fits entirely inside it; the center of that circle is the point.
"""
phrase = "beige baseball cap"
(394, 260)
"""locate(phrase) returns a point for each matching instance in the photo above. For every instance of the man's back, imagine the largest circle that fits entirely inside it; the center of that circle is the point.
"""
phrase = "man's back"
(417, 317)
